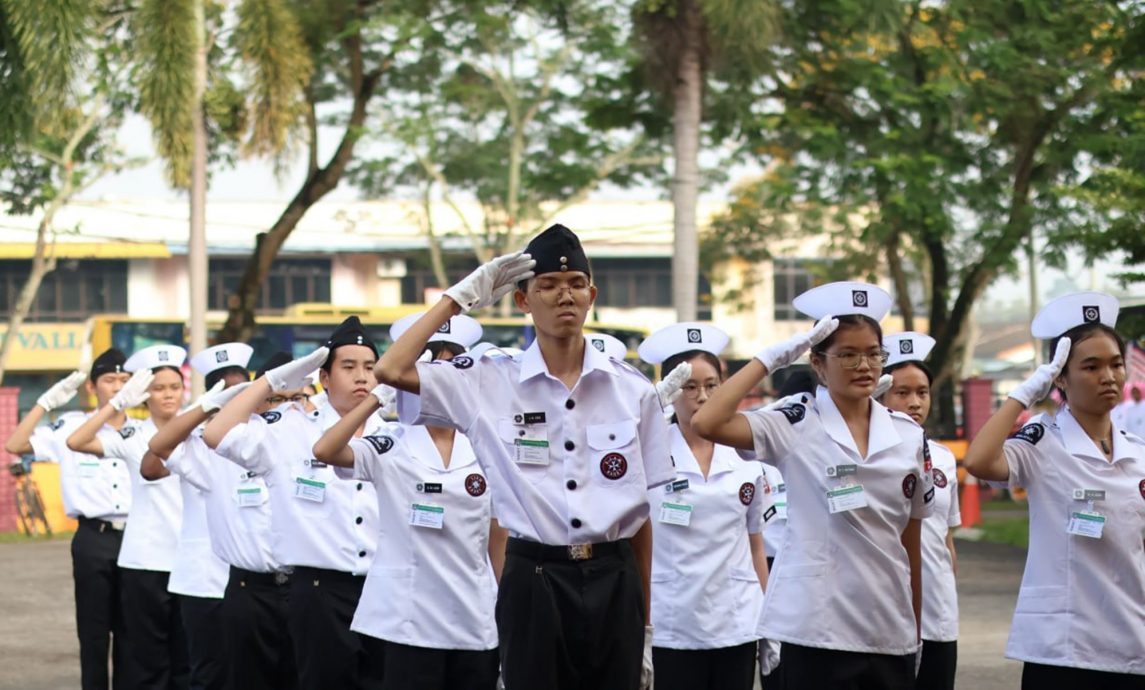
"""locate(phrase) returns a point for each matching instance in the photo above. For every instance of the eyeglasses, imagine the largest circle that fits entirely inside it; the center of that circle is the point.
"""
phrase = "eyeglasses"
(692, 390)
(853, 360)
(277, 400)
(553, 291)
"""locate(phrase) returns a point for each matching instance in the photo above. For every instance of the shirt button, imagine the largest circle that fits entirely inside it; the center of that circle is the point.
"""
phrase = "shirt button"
(575, 523)
(361, 554)
(569, 404)
(358, 521)
(114, 465)
(359, 486)
(115, 486)
(571, 484)
(569, 445)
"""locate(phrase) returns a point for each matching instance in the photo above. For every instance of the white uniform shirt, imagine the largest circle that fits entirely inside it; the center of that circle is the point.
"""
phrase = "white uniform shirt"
(843, 579)
(1120, 414)
(776, 530)
(1082, 600)
(90, 487)
(607, 441)
(435, 587)
(237, 505)
(152, 534)
(1135, 419)
(319, 520)
(939, 593)
(705, 591)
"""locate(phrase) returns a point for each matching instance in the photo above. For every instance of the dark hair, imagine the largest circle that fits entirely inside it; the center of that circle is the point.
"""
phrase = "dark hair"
(911, 363)
(177, 370)
(329, 363)
(686, 356)
(799, 381)
(438, 346)
(1082, 333)
(219, 374)
(847, 322)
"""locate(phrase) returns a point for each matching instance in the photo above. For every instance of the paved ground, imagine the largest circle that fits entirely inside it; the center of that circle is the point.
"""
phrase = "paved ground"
(38, 649)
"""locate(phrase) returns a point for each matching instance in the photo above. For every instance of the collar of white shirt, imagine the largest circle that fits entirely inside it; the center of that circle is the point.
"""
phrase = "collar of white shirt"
(424, 452)
(723, 459)
(1077, 442)
(882, 434)
(533, 363)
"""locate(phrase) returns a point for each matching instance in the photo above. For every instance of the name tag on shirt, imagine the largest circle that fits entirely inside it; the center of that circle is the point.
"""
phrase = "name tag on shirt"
(88, 469)
(840, 471)
(846, 498)
(1086, 524)
(532, 449)
(421, 515)
(1088, 495)
(780, 510)
(309, 489)
(676, 514)
(676, 486)
(250, 497)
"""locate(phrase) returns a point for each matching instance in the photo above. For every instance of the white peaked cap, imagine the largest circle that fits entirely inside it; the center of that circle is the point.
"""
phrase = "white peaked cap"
(488, 349)
(460, 330)
(156, 356)
(843, 298)
(682, 337)
(908, 346)
(1075, 309)
(221, 357)
(608, 344)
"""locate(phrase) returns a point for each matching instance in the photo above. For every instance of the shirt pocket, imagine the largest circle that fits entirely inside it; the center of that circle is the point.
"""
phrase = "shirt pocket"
(509, 433)
(614, 452)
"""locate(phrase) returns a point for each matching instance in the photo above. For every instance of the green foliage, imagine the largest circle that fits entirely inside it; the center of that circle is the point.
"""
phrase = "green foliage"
(165, 64)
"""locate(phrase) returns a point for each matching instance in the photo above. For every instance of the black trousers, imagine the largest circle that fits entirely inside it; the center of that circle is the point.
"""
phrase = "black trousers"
(939, 663)
(570, 625)
(99, 620)
(327, 652)
(811, 668)
(773, 680)
(423, 668)
(154, 630)
(254, 617)
(1037, 676)
(203, 627)
(726, 668)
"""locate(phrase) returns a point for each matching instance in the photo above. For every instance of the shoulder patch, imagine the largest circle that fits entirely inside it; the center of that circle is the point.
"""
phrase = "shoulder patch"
(272, 416)
(794, 412)
(381, 444)
(56, 425)
(462, 362)
(1031, 433)
(127, 432)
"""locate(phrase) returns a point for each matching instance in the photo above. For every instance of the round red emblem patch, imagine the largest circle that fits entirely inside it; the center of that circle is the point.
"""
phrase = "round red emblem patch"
(1141, 488)
(939, 478)
(475, 484)
(746, 493)
(909, 482)
(613, 466)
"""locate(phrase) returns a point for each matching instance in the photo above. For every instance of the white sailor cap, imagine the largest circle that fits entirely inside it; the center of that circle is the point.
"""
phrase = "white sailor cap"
(460, 330)
(608, 344)
(1072, 310)
(908, 346)
(682, 337)
(488, 349)
(156, 356)
(843, 298)
(222, 357)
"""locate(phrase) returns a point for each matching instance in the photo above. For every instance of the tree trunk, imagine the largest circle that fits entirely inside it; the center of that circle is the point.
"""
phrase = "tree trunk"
(42, 265)
(435, 258)
(686, 121)
(197, 241)
(898, 277)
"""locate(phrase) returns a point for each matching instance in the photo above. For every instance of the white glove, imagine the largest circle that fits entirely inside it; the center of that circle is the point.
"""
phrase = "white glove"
(917, 661)
(1037, 386)
(134, 392)
(768, 656)
(672, 386)
(294, 375)
(387, 397)
(62, 391)
(646, 668)
(491, 281)
(884, 385)
(777, 356)
(219, 395)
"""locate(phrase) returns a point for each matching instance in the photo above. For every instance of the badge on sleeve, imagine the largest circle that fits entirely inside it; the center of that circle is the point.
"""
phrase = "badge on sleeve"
(909, 483)
(475, 485)
(1141, 488)
(927, 463)
(272, 416)
(613, 466)
(462, 362)
(381, 444)
(794, 412)
(127, 432)
(746, 493)
(1031, 433)
(939, 478)
(55, 426)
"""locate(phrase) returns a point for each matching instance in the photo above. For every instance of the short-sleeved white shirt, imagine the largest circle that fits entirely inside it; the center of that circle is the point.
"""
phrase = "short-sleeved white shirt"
(435, 587)
(337, 533)
(607, 441)
(705, 591)
(1082, 600)
(152, 533)
(776, 530)
(939, 593)
(843, 579)
(90, 487)
(237, 505)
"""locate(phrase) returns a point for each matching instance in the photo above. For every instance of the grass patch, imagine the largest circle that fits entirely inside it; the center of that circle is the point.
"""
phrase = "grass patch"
(21, 538)
(1014, 531)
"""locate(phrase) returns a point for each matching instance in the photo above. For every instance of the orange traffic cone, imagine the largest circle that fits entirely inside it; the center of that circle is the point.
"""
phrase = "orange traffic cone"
(971, 508)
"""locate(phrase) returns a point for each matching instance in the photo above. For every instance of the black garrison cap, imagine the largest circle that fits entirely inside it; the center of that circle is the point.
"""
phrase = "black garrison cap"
(110, 362)
(558, 250)
(349, 332)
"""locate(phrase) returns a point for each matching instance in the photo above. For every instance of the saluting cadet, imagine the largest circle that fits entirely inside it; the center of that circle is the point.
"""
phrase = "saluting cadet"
(151, 615)
(845, 598)
(570, 440)
(1080, 618)
(709, 570)
(427, 608)
(325, 528)
(909, 393)
(98, 495)
(253, 617)
(199, 576)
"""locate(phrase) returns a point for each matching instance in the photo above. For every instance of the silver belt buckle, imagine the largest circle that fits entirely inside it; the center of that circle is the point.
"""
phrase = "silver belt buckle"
(281, 578)
(118, 525)
(580, 552)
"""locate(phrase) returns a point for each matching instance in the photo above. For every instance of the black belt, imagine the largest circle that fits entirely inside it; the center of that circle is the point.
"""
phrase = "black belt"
(102, 526)
(274, 579)
(569, 552)
(302, 572)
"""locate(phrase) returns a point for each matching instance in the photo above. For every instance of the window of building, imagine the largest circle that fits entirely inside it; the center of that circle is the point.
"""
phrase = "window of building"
(792, 277)
(290, 281)
(74, 291)
(419, 275)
